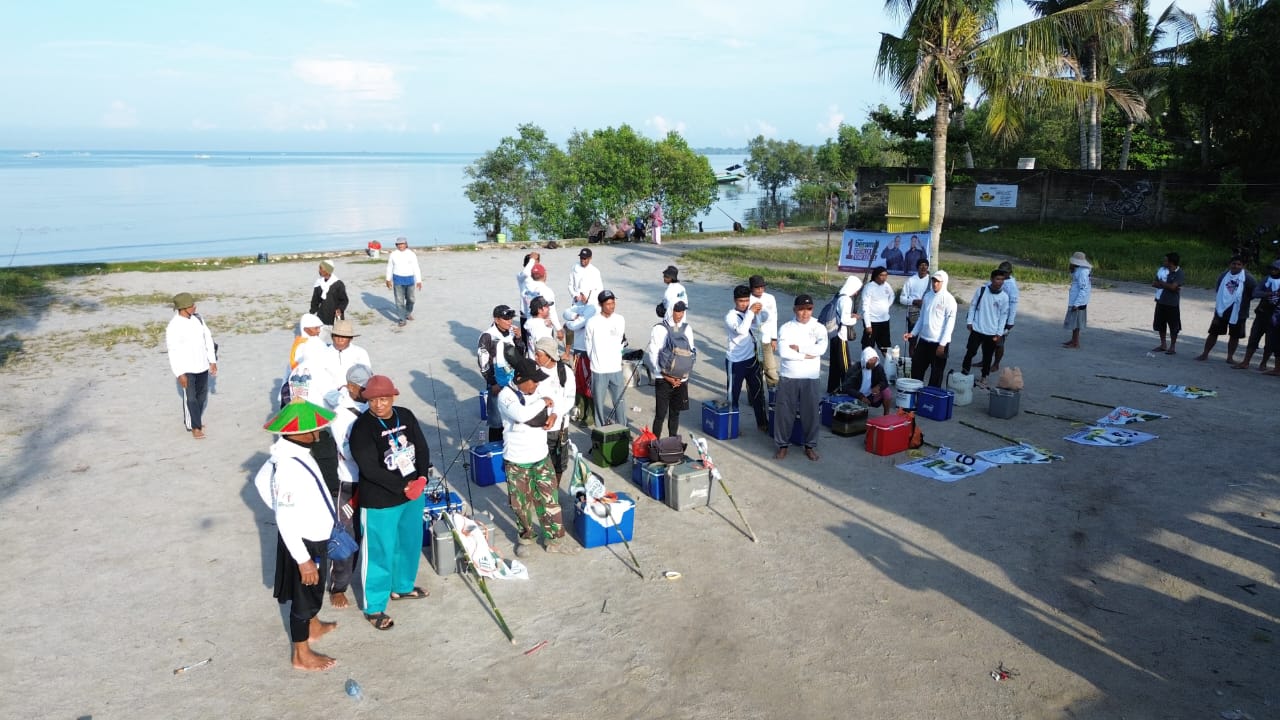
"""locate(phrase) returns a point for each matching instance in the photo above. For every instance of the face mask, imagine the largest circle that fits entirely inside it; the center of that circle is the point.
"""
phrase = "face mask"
(325, 447)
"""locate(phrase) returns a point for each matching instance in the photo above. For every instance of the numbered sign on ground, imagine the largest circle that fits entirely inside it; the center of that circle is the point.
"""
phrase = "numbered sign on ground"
(1109, 437)
(947, 466)
(1019, 455)
(1127, 416)
(1190, 392)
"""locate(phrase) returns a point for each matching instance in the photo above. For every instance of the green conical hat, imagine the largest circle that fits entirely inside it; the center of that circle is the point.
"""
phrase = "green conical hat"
(299, 417)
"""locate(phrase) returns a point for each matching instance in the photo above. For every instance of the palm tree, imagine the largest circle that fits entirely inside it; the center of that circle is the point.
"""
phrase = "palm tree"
(1146, 66)
(948, 42)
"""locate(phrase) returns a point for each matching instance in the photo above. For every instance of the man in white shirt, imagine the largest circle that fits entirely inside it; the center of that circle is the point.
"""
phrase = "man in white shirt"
(532, 491)
(912, 295)
(347, 403)
(584, 280)
(575, 324)
(606, 336)
(670, 391)
(674, 292)
(877, 302)
(539, 325)
(193, 359)
(988, 316)
(561, 388)
(740, 355)
(404, 275)
(932, 332)
(767, 325)
(843, 345)
(801, 344)
(496, 350)
(349, 354)
(536, 287)
(1011, 288)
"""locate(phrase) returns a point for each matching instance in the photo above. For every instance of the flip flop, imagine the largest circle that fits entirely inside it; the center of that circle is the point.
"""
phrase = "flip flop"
(380, 621)
(416, 594)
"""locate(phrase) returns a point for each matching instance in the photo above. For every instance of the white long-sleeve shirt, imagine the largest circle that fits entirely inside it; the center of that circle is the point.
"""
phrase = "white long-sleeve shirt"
(673, 294)
(658, 339)
(741, 345)
(848, 318)
(300, 504)
(537, 288)
(585, 280)
(914, 289)
(1081, 288)
(604, 342)
(190, 345)
(404, 263)
(576, 319)
(811, 339)
(877, 301)
(563, 395)
(988, 311)
(522, 443)
(353, 355)
(767, 320)
(937, 317)
(1011, 287)
(345, 411)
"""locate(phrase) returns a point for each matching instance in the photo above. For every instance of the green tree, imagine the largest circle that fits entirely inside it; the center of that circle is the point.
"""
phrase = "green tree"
(775, 164)
(1048, 136)
(948, 42)
(837, 160)
(913, 147)
(505, 180)
(683, 181)
(612, 170)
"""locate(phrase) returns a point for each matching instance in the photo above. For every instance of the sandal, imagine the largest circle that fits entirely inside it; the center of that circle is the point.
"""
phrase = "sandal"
(416, 594)
(380, 621)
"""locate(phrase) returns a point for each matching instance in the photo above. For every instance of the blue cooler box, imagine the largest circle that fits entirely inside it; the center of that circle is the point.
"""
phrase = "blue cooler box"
(486, 464)
(637, 471)
(797, 429)
(935, 403)
(436, 506)
(653, 477)
(591, 528)
(828, 405)
(720, 421)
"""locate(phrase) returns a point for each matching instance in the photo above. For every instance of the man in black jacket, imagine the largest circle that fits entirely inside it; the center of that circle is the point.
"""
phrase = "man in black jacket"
(329, 295)
(868, 382)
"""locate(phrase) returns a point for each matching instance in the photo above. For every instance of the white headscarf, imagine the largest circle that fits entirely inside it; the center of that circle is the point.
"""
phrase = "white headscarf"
(324, 283)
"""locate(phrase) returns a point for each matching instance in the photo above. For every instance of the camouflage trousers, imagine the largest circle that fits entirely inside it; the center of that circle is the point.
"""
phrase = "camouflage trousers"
(534, 496)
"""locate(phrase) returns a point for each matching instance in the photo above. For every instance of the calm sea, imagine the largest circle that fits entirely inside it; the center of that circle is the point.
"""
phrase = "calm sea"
(68, 207)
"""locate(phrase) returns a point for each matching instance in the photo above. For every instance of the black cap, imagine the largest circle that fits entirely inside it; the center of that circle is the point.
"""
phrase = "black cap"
(679, 307)
(804, 300)
(527, 369)
(584, 252)
(741, 291)
(605, 295)
(538, 303)
(756, 281)
(504, 312)
(672, 272)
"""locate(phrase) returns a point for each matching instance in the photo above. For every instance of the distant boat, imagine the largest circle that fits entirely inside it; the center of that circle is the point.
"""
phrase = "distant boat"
(731, 174)
(32, 155)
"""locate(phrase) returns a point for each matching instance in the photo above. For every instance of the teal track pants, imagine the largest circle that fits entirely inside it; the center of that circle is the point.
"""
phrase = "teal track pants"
(390, 551)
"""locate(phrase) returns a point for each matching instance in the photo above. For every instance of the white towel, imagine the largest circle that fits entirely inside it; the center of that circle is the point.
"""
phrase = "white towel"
(1162, 275)
(1230, 292)
(487, 561)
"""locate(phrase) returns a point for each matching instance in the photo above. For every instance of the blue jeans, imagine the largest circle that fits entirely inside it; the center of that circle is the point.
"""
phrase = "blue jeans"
(404, 299)
(614, 385)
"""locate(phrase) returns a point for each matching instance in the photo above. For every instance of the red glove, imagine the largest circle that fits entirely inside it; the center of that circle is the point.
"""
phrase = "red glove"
(414, 489)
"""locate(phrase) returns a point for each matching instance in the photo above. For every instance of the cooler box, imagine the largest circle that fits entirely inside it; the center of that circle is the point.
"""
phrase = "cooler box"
(484, 404)
(1004, 403)
(593, 527)
(687, 485)
(888, 434)
(610, 445)
(935, 403)
(828, 404)
(850, 424)
(797, 429)
(486, 464)
(720, 421)
(652, 480)
(436, 505)
(637, 471)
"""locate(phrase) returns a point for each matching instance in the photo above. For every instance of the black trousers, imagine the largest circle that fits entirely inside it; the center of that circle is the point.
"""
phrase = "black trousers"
(748, 370)
(340, 571)
(988, 345)
(304, 600)
(925, 358)
(667, 403)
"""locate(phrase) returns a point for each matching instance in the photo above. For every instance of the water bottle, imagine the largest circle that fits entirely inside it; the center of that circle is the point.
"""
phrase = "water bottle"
(353, 690)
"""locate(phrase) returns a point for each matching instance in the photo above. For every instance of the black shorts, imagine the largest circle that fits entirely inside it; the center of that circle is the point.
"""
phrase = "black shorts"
(877, 335)
(1167, 317)
(1221, 326)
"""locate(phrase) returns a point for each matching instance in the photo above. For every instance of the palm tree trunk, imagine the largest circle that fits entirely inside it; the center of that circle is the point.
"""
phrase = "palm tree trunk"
(938, 209)
(1084, 136)
(1124, 146)
(1095, 119)
(960, 122)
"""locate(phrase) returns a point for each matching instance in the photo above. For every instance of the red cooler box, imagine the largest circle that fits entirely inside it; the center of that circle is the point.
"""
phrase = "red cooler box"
(888, 434)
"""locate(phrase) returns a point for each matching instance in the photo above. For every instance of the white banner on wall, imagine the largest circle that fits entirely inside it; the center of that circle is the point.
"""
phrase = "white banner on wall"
(1003, 196)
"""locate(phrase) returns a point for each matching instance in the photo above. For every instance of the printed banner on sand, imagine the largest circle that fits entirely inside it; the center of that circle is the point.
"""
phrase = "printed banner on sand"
(1109, 437)
(947, 466)
(1190, 392)
(1019, 455)
(1127, 415)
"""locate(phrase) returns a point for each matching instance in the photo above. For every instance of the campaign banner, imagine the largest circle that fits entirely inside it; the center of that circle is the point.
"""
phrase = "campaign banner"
(1127, 416)
(1109, 437)
(1019, 455)
(998, 196)
(898, 253)
(947, 466)
(1190, 392)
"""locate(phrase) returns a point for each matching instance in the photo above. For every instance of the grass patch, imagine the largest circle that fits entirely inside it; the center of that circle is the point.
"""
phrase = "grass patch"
(165, 299)
(1130, 255)
(147, 335)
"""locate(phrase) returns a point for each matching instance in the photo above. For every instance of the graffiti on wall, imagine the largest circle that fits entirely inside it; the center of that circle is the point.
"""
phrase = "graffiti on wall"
(1120, 202)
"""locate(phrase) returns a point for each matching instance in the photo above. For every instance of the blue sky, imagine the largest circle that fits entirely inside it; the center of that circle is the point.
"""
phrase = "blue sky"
(434, 75)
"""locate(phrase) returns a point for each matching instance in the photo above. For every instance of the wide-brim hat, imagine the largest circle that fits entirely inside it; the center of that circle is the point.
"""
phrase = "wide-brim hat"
(343, 328)
(299, 417)
(1078, 258)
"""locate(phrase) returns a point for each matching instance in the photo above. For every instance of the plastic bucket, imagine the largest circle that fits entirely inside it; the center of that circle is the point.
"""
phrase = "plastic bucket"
(962, 386)
(906, 392)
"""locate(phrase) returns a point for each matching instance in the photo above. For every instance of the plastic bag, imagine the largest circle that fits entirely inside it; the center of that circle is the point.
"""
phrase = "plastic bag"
(1010, 379)
(640, 446)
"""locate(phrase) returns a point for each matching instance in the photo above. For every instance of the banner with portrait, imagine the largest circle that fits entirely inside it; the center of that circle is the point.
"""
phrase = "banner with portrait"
(896, 252)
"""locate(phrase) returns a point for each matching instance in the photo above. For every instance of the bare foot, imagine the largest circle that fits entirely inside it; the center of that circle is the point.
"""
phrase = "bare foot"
(1070, 345)
(1275, 373)
(1201, 358)
(1231, 361)
(1240, 366)
(306, 659)
(1159, 348)
(338, 601)
(319, 628)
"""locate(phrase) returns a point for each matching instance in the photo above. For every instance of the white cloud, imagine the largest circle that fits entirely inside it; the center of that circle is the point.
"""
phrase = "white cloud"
(834, 120)
(120, 115)
(359, 79)
(664, 126)
(764, 128)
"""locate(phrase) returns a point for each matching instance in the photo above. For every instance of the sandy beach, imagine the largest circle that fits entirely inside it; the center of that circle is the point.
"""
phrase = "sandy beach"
(1118, 582)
